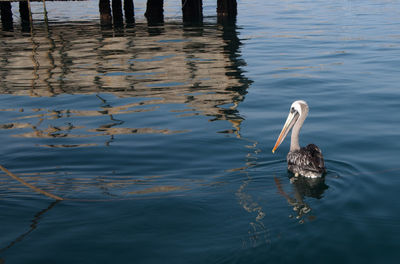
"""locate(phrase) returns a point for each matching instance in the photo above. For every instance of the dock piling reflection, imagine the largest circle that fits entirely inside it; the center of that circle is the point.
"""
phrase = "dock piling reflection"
(198, 66)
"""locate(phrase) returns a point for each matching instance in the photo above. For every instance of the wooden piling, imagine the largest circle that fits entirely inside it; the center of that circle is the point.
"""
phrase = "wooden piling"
(117, 13)
(24, 14)
(192, 11)
(6, 15)
(105, 12)
(227, 8)
(155, 11)
(129, 12)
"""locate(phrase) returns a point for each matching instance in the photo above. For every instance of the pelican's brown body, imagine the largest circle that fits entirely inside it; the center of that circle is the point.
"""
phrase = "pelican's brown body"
(307, 161)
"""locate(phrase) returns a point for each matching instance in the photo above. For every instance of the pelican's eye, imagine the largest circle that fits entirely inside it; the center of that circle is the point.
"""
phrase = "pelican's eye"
(292, 110)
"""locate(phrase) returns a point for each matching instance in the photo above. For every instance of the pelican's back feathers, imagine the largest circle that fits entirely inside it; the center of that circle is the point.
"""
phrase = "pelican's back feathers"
(306, 161)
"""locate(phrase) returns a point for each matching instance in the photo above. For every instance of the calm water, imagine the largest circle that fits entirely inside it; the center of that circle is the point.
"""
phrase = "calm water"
(161, 136)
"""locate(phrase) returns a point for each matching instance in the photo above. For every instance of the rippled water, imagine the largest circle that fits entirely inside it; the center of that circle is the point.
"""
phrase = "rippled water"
(160, 137)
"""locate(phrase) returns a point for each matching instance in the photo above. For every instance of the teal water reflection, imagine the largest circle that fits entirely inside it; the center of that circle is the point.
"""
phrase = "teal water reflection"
(160, 137)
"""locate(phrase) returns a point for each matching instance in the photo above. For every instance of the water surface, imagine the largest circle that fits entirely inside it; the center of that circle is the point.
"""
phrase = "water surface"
(160, 137)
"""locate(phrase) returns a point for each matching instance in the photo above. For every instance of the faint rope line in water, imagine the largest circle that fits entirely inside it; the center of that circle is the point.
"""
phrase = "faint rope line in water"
(58, 198)
(15, 177)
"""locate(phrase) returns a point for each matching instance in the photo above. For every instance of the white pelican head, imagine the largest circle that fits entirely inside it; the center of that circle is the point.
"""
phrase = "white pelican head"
(297, 114)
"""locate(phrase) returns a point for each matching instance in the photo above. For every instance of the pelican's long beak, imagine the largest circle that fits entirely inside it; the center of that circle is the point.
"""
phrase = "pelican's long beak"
(290, 121)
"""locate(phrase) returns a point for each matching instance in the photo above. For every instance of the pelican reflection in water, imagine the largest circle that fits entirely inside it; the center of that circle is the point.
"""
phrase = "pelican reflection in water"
(306, 161)
(302, 188)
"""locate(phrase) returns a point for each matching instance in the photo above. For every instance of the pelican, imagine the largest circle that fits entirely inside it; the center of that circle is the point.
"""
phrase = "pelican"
(306, 161)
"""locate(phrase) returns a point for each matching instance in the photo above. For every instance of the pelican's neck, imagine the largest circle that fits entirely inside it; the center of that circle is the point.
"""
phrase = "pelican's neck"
(294, 141)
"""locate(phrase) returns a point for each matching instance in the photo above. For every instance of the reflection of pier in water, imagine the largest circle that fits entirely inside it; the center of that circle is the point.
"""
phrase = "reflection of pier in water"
(199, 67)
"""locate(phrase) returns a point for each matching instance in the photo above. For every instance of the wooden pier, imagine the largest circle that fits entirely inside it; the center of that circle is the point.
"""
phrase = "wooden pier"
(112, 12)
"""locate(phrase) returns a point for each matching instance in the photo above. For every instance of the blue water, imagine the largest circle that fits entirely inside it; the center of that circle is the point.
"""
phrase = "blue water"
(160, 137)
